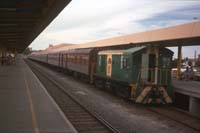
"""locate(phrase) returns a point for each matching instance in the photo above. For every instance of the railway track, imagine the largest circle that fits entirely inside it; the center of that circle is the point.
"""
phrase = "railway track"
(81, 118)
(178, 116)
(170, 113)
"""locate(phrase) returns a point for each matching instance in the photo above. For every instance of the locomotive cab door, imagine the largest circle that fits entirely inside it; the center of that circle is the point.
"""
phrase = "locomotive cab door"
(148, 68)
(109, 65)
(144, 67)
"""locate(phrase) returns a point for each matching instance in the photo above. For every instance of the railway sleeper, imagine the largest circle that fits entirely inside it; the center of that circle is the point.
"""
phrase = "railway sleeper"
(89, 127)
(82, 120)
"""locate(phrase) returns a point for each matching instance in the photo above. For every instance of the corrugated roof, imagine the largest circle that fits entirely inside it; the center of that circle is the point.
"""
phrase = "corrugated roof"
(185, 34)
(82, 51)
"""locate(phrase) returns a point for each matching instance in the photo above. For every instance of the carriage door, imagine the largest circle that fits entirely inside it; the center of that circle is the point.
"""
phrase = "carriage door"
(62, 59)
(152, 63)
(109, 65)
(59, 59)
(65, 57)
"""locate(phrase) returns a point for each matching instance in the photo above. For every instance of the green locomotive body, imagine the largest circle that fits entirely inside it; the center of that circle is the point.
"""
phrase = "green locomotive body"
(142, 74)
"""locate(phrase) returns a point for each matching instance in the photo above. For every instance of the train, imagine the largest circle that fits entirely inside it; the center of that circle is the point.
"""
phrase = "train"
(141, 74)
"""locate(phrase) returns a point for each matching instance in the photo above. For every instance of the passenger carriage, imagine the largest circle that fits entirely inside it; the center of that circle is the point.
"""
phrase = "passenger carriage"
(79, 62)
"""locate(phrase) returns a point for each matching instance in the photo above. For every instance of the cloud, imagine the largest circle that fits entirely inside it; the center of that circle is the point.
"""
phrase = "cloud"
(88, 20)
(97, 13)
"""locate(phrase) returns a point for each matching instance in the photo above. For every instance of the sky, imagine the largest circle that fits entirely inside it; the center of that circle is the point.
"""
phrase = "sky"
(89, 20)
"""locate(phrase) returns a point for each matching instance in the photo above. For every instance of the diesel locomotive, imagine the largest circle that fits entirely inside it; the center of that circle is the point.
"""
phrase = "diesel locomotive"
(141, 74)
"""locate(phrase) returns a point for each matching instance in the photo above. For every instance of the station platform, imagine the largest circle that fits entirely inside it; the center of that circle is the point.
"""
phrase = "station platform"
(26, 107)
(190, 88)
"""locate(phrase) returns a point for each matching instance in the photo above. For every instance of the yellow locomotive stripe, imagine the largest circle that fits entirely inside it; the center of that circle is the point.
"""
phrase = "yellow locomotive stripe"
(109, 65)
(133, 90)
(33, 114)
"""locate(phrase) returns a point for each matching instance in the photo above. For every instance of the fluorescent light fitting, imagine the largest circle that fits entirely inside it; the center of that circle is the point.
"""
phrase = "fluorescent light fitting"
(11, 40)
(8, 24)
(7, 9)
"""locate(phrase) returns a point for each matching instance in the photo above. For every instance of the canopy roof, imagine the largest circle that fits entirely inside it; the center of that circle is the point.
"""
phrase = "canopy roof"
(21, 21)
(180, 35)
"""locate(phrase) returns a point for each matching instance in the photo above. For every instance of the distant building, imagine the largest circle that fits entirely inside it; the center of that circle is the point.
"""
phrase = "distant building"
(189, 62)
(30, 48)
(58, 47)
(50, 45)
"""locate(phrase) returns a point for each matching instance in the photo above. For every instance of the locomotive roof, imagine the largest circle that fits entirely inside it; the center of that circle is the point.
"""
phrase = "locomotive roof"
(134, 49)
(131, 50)
(82, 51)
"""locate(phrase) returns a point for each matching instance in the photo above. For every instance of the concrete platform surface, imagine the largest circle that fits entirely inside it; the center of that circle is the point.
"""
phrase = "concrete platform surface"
(26, 107)
(190, 88)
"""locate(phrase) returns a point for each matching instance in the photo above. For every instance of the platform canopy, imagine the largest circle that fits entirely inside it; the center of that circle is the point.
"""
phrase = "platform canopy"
(21, 21)
(179, 35)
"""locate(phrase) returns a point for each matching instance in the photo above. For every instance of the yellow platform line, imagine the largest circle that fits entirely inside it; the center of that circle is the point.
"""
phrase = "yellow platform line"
(33, 114)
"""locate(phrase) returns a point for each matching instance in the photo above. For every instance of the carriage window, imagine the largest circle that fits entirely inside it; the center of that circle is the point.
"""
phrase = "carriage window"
(166, 62)
(124, 62)
(100, 60)
(121, 64)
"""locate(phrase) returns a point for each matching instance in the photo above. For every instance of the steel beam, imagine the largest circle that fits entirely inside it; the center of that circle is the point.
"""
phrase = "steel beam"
(179, 62)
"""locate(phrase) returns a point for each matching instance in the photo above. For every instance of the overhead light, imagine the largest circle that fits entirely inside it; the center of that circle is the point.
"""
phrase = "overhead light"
(11, 40)
(8, 24)
(8, 34)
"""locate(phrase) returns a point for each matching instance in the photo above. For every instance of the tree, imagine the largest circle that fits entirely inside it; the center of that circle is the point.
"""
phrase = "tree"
(175, 62)
(27, 51)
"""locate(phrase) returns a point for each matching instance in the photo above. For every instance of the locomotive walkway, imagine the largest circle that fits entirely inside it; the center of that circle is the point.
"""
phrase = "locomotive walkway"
(25, 104)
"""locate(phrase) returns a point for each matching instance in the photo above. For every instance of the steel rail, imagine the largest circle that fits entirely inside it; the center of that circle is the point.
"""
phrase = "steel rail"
(60, 87)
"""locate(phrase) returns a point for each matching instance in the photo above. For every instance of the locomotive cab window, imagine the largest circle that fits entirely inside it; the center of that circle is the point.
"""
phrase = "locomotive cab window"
(165, 62)
(124, 62)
